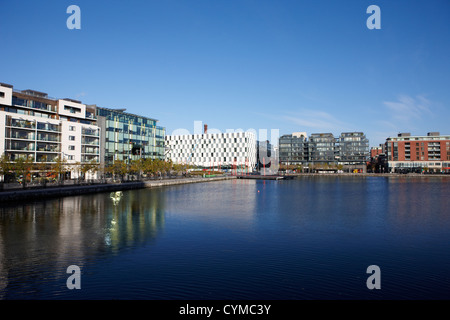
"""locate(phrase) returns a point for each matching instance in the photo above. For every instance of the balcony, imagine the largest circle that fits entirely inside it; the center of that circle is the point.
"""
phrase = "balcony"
(90, 115)
(48, 127)
(90, 132)
(23, 124)
(90, 150)
(22, 135)
(31, 104)
(48, 148)
(47, 138)
(19, 148)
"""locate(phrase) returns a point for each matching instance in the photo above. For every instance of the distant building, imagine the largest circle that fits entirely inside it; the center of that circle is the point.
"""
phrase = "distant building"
(353, 148)
(350, 150)
(293, 149)
(264, 154)
(375, 151)
(208, 150)
(322, 148)
(406, 153)
(378, 162)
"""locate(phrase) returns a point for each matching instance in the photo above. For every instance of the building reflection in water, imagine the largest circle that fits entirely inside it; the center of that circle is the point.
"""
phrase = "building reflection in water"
(226, 203)
(39, 240)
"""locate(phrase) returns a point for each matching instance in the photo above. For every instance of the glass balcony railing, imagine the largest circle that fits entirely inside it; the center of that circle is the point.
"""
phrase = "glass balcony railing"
(21, 148)
(48, 138)
(90, 132)
(48, 148)
(48, 127)
(25, 124)
(21, 135)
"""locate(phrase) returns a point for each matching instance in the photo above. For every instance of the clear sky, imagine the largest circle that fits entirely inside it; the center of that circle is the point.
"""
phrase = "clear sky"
(296, 65)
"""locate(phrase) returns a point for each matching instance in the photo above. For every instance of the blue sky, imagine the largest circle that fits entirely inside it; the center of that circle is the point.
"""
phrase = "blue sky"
(309, 66)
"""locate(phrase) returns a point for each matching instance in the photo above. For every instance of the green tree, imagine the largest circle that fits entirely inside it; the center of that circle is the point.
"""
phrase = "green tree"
(22, 166)
(136, 167)
(120, 168)
(59, 167)
(148, 166)
(86, 167)
(5, 168)
(42, 168)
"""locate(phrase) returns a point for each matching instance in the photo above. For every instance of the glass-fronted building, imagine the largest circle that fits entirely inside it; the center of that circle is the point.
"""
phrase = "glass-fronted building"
(350, 150)
(128, 136)
(293, 149)
(353, 148)
(322, 148)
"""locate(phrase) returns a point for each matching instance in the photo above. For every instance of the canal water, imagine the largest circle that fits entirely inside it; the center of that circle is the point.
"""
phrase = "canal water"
(309, 238)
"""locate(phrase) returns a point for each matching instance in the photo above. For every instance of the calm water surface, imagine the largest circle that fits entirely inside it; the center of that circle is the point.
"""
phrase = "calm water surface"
(311, 238)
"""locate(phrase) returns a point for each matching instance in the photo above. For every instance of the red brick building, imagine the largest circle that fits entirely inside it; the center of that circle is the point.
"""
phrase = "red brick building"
(419, 153)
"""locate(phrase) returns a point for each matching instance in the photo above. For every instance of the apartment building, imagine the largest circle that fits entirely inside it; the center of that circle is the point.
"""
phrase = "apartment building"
(407, 153)
(322, 148)
(353, 148)
(350, 149)
(231, 149)
(293, 148)
(41, 128)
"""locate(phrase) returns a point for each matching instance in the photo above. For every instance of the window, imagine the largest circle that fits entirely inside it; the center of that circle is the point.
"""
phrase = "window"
(71, 128)
(72, 138)
(2, 94)
(69, 157)
(71, 147)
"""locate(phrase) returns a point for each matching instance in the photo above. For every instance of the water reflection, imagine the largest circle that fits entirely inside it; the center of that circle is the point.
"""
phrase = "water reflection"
(39, 240)
(308, 238)
(418, 205)
(229, 203)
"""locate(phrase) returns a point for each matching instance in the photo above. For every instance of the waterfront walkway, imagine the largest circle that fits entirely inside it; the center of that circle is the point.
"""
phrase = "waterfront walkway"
(62, 191)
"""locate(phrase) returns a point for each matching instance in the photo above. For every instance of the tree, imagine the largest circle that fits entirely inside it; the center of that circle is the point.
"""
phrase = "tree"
(91, 166)
(59, 167)
(23, 166)
(136, 167)
(178, 168)
(5, 168)
(119, 167)
(148, 166)
(42, 168)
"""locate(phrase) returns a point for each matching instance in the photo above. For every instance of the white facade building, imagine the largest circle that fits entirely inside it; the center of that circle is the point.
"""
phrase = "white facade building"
(42, 129)
(212, 150)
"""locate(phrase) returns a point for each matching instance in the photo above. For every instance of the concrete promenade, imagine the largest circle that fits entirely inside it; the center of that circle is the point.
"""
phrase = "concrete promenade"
(62, 191)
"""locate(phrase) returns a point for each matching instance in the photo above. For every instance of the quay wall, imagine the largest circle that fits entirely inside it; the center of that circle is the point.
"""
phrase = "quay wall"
(63, 191)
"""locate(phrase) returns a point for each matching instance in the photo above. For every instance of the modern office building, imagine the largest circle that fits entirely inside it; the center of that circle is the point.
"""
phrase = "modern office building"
(128, 136)
(406, 153)
(41, 128)
(212, 150)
